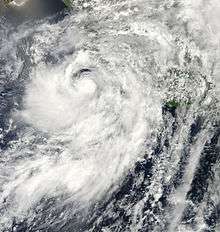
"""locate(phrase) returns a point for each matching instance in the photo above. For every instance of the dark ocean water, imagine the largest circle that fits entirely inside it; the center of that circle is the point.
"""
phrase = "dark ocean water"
(32, 10)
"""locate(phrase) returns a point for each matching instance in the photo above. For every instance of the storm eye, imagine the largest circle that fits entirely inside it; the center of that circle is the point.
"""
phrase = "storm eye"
(81, 73)
(84, 70)
(122, 92)
(83, 82)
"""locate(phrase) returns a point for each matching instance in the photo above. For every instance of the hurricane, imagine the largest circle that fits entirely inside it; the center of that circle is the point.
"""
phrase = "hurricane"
(109, 117)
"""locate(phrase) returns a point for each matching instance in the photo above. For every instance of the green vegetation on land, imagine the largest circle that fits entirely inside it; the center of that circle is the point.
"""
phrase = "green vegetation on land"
(67, 3)
(174, 104)
(7, 1)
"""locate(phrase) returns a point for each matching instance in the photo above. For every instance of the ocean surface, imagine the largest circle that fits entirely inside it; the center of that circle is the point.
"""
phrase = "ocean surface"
(109, 116)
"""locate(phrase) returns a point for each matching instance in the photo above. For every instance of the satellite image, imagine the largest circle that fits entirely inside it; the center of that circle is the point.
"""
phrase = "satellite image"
(109, 116)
